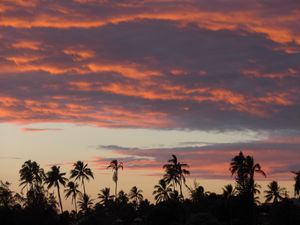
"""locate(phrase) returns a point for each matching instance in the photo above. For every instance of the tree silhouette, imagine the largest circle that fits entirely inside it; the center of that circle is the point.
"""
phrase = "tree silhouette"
(245, 168)
(105, 196)
(274, 192)
(197, 192)
(228, 191)
(175, 173)
(72, 190)
(122, 198)
(136, 196)
(6, 195)
(85, 203)
(115, 166)
(55, 178)
(162, 191)
(297, 183)
(31, 175)
(81, 172)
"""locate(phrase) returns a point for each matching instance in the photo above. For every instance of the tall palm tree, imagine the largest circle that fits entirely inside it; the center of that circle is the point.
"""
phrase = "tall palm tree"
(31, 175)
(55, 178)
(175, 173)
(136, 196)
(105, 196)
(274, 192)
(85, 203)
(297, 183)
(162, 191)
(115, 166)
(81, 172)
(72, 190)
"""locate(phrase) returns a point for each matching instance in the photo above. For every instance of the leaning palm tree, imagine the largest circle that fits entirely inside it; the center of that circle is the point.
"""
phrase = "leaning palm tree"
(105, 196)
(297, 183)
(136, 196)
(115, 166)
(162, 191)
(81, 172)
(31, 175)
(72, 190)
(175, 173)
(274, 192)
(85, 203)
(55, 178)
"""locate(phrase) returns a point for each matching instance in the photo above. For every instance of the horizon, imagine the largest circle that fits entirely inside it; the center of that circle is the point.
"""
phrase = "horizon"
(138, 81)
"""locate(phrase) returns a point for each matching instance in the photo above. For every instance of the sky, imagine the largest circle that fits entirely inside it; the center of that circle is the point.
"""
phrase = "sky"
(137, 81)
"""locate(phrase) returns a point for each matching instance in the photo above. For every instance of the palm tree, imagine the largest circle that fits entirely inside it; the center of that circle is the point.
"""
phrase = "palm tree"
(122, 198)
(85, 203)
(274, 192)
(31, 175)
(72, 190)
(245, 168)
(162, 191)
(175, 173)
(297, 183)
(228, 191)
(81, 172)
(55, 178)
(136, 196)
(105, 196)
(115, 166)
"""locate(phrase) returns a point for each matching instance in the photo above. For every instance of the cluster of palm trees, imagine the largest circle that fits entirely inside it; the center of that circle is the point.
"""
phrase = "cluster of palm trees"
(33, 177)
(242, 167)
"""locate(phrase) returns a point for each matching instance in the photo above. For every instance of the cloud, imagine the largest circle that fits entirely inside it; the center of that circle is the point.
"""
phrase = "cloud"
(121, 75)
(10, 157)
(28, 129)
(210, 161)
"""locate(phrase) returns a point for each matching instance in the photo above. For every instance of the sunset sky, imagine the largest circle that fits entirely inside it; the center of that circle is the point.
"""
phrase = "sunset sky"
(137, 81)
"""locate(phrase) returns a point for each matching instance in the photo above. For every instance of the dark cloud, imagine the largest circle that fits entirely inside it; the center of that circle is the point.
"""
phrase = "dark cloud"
(203, 79)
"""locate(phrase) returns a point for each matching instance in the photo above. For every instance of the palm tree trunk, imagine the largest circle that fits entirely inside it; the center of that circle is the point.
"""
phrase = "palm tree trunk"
(59, 198)
(83, 186)
(116, 190)
(75, 204)
(180, 186)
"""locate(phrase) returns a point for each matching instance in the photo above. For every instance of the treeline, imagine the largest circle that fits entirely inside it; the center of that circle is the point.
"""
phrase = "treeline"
(40, 200)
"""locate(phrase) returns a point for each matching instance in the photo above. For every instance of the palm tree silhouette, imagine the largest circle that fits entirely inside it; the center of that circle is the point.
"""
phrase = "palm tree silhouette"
(162, 191)
(72, 190)
(105, 196)
(122, 198)
(175, 173)
(297, 183)
(31, 175)
(115, 166)
(85, 203)
(136, 196)
(81, 172)
(245, 168)
(274, 192)
(228, 191)
(55, 178)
